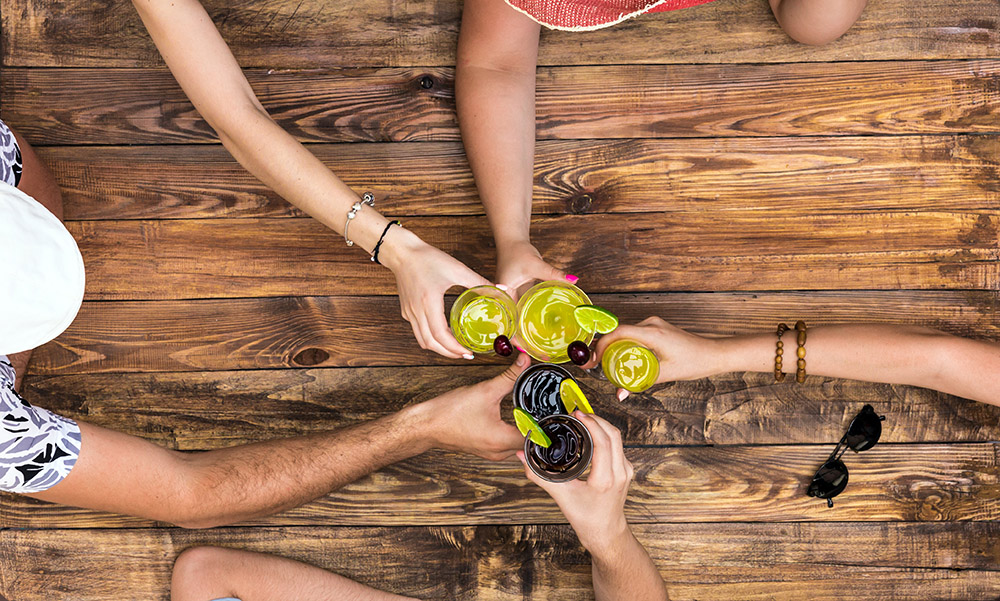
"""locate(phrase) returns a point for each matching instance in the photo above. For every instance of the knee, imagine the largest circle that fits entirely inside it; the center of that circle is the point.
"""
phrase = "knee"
(816, 22)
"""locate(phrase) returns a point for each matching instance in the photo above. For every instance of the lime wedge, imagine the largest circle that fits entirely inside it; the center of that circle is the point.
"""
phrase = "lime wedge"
(595, 319)
(530, 428)
(573, 398)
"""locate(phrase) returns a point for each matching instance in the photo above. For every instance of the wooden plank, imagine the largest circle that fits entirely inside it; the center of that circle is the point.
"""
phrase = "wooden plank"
(708, 562)
(736, 250)
(379, 33)
(328, 331)
(204, 410)
(598, 101)
(921, 482)
(786, 175)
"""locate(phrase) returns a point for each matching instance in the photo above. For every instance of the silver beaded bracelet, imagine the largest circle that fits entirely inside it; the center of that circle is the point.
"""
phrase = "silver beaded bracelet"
(367, 199)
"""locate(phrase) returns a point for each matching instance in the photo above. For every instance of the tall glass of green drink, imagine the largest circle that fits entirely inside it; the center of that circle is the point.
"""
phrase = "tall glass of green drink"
(546, 324)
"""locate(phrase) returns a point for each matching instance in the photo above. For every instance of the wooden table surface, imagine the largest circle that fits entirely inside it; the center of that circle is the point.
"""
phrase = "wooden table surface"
(697, 165)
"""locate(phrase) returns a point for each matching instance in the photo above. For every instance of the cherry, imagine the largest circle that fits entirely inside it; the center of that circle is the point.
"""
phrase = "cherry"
(578, 352)
(502, 346)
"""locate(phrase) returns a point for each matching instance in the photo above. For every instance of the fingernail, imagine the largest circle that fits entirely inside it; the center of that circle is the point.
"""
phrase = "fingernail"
(622, 395)
(502, 287)
(572, 279)
(468, 356)
(520, 349)
(521, 360)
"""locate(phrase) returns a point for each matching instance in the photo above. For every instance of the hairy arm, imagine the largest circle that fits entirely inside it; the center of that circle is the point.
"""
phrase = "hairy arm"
(623, 571)
(124, 474)
(204, 573)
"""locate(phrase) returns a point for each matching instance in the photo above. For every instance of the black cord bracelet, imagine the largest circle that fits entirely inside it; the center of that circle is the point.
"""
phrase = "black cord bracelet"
(382, 239)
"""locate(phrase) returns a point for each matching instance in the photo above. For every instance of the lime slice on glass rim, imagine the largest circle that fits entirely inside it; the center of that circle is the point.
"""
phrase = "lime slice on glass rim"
(530, 428)
(572, 397)
(595, 319)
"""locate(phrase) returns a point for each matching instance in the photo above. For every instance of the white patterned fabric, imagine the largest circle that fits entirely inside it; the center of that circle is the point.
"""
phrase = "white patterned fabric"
(10, 157)
(37, 447)
(41, 273)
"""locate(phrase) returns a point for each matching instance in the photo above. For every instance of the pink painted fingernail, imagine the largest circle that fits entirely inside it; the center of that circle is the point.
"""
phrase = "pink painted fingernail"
(572, 279)
(622, 395)
(520, 349)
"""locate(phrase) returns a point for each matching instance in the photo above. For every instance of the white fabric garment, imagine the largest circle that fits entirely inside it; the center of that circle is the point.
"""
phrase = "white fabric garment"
(41, 273)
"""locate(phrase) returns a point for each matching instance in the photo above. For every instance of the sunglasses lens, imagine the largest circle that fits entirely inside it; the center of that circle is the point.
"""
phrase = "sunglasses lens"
(829, 481)
(865, 430)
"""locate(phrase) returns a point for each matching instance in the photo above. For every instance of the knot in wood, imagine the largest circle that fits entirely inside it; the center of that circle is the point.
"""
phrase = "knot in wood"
(581, 204)
(426, 82)
(310, 357)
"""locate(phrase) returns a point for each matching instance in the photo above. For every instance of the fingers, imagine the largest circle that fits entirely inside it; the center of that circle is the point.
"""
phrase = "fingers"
(601, 470)
(504, 382)
(440, 333)
(608, 465)
(427, 340)
(622, 331)
(509, 439)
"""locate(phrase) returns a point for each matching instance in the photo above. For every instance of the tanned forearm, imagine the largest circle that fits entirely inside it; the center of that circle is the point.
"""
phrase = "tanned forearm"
(124, 474)
(909, 355)
(495, 94)
(623, 571)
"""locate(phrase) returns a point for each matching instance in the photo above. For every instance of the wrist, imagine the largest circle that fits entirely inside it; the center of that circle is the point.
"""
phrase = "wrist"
(418, 420)
(607, 540)
(513, 245)
(398, 243)
(746, 353)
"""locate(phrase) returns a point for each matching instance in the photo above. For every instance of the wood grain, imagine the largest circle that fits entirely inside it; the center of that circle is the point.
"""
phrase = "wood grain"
(784, 562)
(920, 482)
(780, 175)
(204, 410)
(380, 33)
(736, 250)
(328, 331)
(651, 101)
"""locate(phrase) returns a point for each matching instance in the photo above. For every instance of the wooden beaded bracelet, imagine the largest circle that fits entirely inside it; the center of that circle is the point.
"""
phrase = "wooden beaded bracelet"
(800, 371)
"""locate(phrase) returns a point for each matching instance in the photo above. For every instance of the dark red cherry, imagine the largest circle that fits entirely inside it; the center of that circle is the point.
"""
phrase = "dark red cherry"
(502, 346)
(578, 352)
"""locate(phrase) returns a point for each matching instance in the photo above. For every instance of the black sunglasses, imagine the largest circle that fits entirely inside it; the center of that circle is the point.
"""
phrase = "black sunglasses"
(831, 478)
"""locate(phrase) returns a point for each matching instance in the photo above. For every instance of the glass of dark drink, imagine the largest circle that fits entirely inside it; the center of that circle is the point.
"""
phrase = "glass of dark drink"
(536, 390)
(569, 454)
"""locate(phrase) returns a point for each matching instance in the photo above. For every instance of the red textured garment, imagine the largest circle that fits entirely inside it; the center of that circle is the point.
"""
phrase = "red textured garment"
(585, 15)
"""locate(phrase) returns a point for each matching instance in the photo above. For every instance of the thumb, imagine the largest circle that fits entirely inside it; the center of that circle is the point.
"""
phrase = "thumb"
(467, 278)
(504, 382)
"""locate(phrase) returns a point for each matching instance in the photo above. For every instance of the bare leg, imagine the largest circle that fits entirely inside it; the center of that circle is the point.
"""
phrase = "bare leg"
(203, 573)
(37, 182)
(816, 22)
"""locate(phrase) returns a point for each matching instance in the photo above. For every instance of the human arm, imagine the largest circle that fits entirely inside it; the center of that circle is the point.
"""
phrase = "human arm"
(595, 508)
(892, 354)
(495, 96)
(125, 474)
(206, 573)
(816, 22)
(205, 68)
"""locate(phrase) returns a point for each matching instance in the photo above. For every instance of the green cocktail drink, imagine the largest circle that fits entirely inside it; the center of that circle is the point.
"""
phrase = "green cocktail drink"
(546, 324)
(630, 365)
(480, 314)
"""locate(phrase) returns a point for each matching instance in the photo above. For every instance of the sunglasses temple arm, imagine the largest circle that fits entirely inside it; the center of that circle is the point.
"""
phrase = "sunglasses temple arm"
(840, 450)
